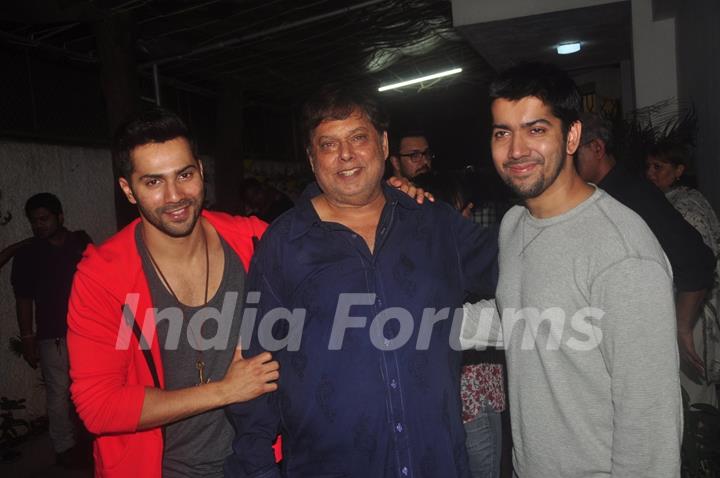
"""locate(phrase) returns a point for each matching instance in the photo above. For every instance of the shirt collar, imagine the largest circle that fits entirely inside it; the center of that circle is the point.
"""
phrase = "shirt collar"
(306, 217)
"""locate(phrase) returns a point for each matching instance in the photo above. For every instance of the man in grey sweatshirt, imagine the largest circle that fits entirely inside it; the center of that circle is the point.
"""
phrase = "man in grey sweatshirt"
(585, 299)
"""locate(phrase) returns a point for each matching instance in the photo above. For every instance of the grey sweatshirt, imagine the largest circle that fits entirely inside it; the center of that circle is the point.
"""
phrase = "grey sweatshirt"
(588, 323)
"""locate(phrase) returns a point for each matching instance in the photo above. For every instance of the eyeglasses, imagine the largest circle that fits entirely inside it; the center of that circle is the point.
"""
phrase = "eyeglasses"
(416, 156)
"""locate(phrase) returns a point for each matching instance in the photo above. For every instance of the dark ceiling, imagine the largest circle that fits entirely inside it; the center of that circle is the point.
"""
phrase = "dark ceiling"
(274, 48)
(275, 52)
(605, 32)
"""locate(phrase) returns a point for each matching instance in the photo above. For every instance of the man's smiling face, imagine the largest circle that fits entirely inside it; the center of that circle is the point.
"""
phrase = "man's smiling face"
(167, 186)
(348, 159)
(528, 145)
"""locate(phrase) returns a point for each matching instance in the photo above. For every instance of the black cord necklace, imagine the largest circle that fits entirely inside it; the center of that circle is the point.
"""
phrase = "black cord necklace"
(199, 363)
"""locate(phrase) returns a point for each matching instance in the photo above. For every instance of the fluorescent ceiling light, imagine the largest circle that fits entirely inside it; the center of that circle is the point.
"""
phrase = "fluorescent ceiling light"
(419, 80)
(567, 48)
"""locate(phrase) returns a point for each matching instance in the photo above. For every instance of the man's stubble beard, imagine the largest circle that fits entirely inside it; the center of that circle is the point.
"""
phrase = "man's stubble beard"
(539, 186)
(154, 217)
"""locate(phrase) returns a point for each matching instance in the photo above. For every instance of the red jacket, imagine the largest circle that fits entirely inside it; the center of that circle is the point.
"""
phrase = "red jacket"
(108, 382)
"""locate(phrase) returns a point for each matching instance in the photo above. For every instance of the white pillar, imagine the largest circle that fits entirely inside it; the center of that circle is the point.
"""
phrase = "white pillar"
(654, 55)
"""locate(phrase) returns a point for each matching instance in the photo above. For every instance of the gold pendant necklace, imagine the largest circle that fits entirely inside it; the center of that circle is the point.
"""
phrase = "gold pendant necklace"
(199, 363)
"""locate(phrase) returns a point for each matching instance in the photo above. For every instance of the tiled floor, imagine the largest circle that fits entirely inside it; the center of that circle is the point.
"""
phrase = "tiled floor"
(38, 461)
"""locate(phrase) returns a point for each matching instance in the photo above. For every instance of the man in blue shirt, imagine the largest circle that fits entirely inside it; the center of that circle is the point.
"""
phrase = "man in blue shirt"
(365, 283)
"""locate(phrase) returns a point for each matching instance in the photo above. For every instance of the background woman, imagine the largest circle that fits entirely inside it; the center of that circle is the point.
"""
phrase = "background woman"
(666, 166)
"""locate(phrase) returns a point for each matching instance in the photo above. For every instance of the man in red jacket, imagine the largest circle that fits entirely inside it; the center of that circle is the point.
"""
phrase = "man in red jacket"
(154, 317)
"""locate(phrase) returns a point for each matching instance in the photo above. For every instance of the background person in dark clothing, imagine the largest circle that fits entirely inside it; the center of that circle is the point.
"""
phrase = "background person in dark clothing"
(42, 274)
(410, 155)
(262, 200)
(10, 251)
(693, 263)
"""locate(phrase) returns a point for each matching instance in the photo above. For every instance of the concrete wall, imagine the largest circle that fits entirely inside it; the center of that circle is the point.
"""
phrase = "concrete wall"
(698, 44)
(467, 12)
(82, 179)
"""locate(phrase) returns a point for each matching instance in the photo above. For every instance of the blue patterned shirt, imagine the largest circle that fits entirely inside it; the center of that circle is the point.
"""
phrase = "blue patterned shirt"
(386, 401)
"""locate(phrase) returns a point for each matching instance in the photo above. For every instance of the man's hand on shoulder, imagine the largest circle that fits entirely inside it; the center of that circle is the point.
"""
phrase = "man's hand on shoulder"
(402, 184)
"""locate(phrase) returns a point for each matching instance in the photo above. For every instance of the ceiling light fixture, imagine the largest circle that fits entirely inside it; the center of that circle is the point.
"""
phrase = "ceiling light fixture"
(420, 80)
(567, 48)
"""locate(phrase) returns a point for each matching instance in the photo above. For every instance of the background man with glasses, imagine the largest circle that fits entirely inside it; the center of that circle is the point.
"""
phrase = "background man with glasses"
(411, 155)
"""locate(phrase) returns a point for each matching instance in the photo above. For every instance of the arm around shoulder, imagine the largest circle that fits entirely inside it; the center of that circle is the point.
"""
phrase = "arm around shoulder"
(477, 248)
(481, 326)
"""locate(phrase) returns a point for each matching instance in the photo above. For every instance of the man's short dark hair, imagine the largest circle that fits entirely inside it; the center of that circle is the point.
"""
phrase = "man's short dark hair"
(544, 81)
(48, 201)
(595, 126)
(155, 125)
(335, 102)
(396, 139)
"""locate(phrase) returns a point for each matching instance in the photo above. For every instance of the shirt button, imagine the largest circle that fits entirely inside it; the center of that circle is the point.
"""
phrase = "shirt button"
(404, 470)
(386, 342)
(398, 427)
(393, 383)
